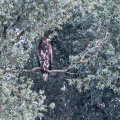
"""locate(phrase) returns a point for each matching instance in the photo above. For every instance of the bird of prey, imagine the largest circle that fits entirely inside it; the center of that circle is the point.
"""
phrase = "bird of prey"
(44, 56)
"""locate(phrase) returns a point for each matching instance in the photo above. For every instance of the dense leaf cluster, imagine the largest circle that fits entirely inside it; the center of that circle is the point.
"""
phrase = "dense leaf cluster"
(85, 36)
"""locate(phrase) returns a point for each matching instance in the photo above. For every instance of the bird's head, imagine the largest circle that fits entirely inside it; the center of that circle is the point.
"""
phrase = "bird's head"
(45, 39)
(48, 39)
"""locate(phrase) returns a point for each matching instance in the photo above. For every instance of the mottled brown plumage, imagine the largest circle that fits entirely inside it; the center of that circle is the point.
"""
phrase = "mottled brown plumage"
(44, 56)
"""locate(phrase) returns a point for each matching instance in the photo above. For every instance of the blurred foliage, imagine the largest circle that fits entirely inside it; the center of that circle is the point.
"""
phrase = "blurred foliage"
(99, 63)
(19, 102)
(85, 35)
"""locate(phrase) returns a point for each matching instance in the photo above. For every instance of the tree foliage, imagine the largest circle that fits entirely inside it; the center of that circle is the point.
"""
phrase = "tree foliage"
(85, 36)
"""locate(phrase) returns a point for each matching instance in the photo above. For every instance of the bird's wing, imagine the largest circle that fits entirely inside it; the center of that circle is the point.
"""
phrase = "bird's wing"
(50, 56)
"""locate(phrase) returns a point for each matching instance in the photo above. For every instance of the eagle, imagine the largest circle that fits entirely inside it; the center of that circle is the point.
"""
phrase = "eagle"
(44, 56)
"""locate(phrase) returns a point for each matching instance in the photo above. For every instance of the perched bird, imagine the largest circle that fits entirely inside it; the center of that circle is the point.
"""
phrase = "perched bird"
(44, 56)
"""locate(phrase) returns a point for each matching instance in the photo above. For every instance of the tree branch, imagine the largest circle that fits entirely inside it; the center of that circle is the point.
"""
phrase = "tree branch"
(17, 20)
(82, 59)
(60, 71)
(21, 33)
(5, 31)
(33, 71)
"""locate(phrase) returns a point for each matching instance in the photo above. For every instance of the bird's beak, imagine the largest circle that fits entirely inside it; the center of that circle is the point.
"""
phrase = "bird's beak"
(48, 39)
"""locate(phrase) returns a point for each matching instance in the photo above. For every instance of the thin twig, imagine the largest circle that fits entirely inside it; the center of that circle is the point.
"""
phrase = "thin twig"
(87, 51)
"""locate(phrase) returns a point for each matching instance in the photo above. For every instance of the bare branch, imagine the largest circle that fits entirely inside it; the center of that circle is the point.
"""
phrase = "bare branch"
(61, 71)
(33, 71)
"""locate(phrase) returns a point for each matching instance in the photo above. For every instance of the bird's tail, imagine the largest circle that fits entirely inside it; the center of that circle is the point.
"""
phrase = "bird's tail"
(45, 76)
